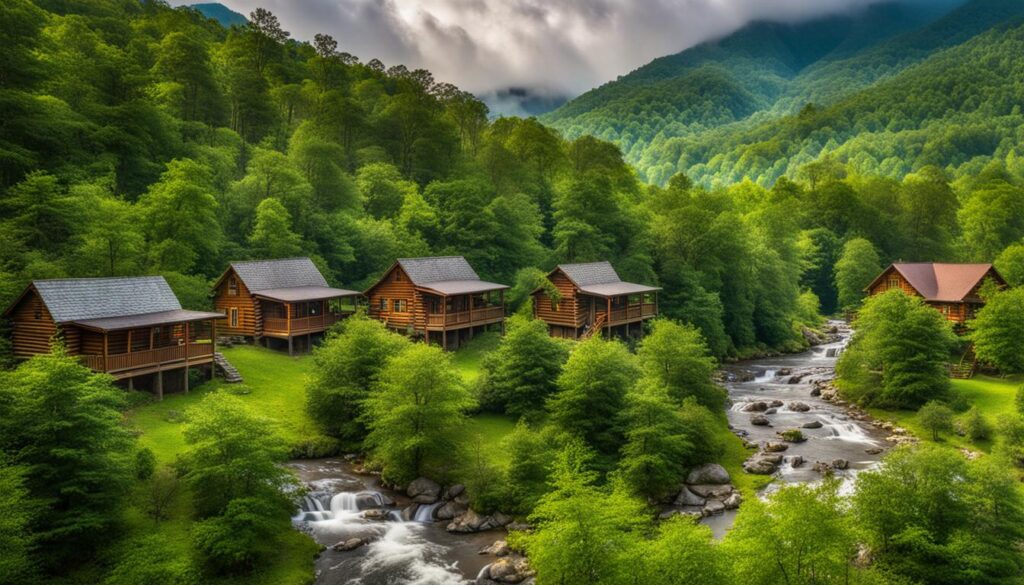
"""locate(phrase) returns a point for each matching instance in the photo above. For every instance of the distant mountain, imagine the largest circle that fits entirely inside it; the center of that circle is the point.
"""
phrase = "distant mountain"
(521, 102)
(221, 14)
(713, 93)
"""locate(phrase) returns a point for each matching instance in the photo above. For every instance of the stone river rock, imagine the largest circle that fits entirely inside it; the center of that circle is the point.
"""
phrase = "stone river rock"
(760, 420)
(688, 498)
(713, 507)
(733, 501)
(796, 461)
(451, 510)
(759, 466)
(499, 549)
(840, 464)
(799, 407)
(814, 424)
(424, 491)
(376, 514)
(511, 569)
(775, 447)
(473, 522)
(710, 473)
(756, 407)
(711, 490)
(350, 544)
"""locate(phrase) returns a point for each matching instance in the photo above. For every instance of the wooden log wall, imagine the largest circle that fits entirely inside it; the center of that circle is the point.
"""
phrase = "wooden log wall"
(249, 317)
(567, 313)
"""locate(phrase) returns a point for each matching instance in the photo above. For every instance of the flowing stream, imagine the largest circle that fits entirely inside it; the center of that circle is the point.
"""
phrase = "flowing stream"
(839, 436)
(417, 551)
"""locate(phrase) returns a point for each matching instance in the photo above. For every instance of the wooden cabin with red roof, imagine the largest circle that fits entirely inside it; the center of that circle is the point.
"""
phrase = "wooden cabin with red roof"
(131, 328)
(440, 299)
(592, 298)
(953, 289)
(284, 299)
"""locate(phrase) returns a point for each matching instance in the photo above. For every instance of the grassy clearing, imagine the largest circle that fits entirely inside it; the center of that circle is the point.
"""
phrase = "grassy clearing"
(490, 430)
(469, 359)
(993, 396)
(277, 390)
(735, 454)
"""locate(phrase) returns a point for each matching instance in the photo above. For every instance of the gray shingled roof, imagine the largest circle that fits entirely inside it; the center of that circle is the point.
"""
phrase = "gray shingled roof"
(438, 269)
(590, 273)
(304, 293)
(147, 319)
(286, 273)
(80, 299)
(600, 279)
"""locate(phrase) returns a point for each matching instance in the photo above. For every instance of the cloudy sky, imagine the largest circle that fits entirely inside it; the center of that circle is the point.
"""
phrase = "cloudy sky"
(559, 46)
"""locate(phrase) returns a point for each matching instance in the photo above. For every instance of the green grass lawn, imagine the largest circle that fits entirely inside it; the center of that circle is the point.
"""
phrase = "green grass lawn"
(490, 430)
(277, 386)
(277, 390)
(469, 359)
(993, 397)
(735, 454)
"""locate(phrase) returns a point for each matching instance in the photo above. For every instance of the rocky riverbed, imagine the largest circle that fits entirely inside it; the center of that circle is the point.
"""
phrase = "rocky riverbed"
(376, 536)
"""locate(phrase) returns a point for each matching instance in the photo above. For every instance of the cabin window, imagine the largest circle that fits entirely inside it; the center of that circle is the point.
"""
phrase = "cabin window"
(399, 305)
(398, 276)
(233, 287)
(233, 316)
(383, 304)
(894, 282)
(39, 314)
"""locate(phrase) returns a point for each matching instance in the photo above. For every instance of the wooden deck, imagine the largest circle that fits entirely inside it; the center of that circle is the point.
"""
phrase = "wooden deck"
(282, 327)
(146, 361)
(462, 319)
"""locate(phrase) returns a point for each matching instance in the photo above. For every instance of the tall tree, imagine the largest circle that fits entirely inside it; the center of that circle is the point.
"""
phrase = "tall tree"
(272, 235)
(856, 268)
(523, 372)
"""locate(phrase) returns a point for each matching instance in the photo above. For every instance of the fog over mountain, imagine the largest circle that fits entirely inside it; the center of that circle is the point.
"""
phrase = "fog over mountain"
(562, 46)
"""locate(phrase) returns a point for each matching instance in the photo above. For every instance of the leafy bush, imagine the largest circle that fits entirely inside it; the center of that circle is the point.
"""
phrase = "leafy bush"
(314, 447)
(937, 418)
(145, 463)
(247, 530)
(976, 425)
(793, 436)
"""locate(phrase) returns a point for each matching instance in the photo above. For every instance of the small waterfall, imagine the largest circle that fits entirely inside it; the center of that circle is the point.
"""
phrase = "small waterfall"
(344, 502)
(425, 513)
(403, 550)
(851, 433)
(765, 376)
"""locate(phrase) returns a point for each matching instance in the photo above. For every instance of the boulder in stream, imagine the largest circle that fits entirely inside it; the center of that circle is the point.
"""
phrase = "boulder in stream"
(711, 490)
(709, 473)
(814, 424)
(688, 498)
(799, 407)
(348, 545)
(733, 501)
(510, 569)
(499, 549)
(840, 464)
(775, 447)
(756, 407)
(760, 420)
(424, 491)
(449, 510)
(713, 507)
(759, 466)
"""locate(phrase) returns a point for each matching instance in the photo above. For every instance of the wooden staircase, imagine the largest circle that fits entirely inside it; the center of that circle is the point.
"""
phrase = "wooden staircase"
(597, 325)
(967, 366)
(231, 375)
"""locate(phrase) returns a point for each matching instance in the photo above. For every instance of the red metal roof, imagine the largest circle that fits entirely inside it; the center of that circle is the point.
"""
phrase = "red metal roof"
(943, 282)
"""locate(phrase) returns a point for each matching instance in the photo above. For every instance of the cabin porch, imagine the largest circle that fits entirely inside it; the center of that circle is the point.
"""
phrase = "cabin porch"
(459, 317)
(621, 315)
(287, 321)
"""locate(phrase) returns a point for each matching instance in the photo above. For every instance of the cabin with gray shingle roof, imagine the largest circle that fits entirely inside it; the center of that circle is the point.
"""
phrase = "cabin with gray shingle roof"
(440, 299)
(283, 301)
(953, 289)
(129, 327)
(582, 299)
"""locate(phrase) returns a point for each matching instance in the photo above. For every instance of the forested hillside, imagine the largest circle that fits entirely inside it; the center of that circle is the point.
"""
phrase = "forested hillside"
(140, 139)
(743, 88)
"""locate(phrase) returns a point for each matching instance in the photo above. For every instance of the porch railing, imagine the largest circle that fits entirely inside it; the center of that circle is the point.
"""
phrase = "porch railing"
(300, 324)
(464, 317)
(148, 357)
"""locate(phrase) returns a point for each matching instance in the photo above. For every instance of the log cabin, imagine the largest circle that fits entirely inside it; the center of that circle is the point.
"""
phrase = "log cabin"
(440, 299)
(953, 289)
(131, 328)
(592, 298)
(281, 300)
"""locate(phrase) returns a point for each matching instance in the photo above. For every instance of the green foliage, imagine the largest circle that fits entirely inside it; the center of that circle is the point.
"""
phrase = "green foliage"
(15, 520)
(898, 353)
(932, 516)
(414, 414)
(1010, 264)
(936, 418)
(977, 427)
(483, 480)
(152, 560)
(802, 534)
(855, 270)
(346, 367)
(61, 424)
(681, 551)
(272, 235)
(233, 454)
(145, 463)
(677, 358)
(998, 331)
(656, 451)
(246, 531)
(527, 473)
(591, 393)
(522, 373)
(1018, 400)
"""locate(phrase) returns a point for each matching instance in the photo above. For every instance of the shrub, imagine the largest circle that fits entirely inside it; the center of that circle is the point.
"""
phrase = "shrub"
(483, 481)
(976, 426)
(1018, 400)
(936, 417)
(314, 447)
(145, 463)
(162, 490)
(247, 530)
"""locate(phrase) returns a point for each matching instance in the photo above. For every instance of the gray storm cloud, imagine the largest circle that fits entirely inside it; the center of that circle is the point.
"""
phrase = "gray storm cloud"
(561, 46)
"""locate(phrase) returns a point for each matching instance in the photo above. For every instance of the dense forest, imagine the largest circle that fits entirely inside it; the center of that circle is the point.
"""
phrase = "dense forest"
(137, 138)
(886, 91)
